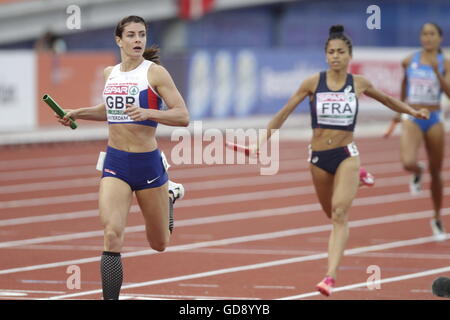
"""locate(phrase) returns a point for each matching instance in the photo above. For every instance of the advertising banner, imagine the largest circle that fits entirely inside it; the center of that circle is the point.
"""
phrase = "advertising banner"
(74, 80)
(17, 90)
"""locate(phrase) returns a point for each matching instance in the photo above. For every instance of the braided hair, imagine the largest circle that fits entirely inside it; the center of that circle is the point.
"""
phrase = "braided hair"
(337, 32)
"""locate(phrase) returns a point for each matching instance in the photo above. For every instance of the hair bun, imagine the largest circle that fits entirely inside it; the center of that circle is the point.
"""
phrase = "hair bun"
(339, 28)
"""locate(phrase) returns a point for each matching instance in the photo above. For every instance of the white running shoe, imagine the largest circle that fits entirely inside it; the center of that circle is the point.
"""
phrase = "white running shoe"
(177, 190)
(438, 230)
(415, 185)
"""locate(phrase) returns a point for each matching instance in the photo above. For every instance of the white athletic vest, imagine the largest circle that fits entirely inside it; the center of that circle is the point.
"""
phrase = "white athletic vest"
(129, 87)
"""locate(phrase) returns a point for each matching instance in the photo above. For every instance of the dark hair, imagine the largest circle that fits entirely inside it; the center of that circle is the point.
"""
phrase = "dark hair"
(439, 30)
(151, 53)
(337, 32)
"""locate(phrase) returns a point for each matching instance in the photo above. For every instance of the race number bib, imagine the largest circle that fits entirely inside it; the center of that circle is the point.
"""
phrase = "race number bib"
(117, 96)
(336, 108)
(424, 91)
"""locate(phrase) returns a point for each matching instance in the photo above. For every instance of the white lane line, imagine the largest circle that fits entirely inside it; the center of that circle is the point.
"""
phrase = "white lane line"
(275, 287)
(50, 185)
(241, 239)
(12, 294)
(229, 198)
(52, 161)
(198, 285)
(32, 291)
(48, 173)
(385, 246)
(141, 296)
(374, 283)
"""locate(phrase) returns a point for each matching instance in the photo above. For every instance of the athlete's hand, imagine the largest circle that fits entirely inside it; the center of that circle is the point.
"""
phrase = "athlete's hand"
(137, 113)
(434, 64)
(421, 114)
(65, 121)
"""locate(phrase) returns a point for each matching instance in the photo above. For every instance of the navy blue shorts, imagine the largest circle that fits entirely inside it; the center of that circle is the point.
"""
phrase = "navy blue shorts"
(329, 160)
(141, 170)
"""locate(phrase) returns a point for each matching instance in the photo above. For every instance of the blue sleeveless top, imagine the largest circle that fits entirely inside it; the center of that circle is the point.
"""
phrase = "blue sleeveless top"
(335, 110)
(422, 83)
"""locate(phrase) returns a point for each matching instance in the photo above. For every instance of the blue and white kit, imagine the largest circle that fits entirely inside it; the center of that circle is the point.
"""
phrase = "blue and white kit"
(423, 88)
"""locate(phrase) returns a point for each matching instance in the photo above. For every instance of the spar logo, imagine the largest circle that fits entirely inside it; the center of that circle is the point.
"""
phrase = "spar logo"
(117, 90)
(331, 97)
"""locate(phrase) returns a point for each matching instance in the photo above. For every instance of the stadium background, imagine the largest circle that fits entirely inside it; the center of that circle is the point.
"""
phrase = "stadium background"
(232, 60)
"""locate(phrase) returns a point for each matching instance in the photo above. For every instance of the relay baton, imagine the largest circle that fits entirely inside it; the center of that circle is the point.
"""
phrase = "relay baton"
(238, 147)
(391, 129)
(58, 110)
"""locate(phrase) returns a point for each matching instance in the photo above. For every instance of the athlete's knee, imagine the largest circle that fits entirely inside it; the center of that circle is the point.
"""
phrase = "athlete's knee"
(159, 246)
(113, 237)
(339, 214)
(409, 165)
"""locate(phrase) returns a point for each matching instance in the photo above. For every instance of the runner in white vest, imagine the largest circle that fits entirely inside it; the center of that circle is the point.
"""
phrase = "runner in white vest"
(133, 95)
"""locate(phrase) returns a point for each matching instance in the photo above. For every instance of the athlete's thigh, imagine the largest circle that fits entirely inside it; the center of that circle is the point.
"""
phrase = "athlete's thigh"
(323, 184)
(410, 140)
(154, 204)
(346, 183)
(434, 143)
(115, 198)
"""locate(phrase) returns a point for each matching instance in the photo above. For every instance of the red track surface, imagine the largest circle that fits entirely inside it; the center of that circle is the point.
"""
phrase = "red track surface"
(238, 235)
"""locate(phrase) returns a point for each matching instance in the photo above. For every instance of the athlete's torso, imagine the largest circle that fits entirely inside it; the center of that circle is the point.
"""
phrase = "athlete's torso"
(422, 85)
(333, 114)
(130, 87)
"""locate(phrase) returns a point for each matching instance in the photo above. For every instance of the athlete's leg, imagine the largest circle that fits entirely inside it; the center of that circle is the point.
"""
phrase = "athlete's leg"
(154, 204)
(410, 141)
(115, 198)
(323, 184)
(345, 187)
(434, 143)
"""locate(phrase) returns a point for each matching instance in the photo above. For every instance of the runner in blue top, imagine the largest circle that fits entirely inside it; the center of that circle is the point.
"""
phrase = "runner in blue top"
(427, 76)
(334, 157)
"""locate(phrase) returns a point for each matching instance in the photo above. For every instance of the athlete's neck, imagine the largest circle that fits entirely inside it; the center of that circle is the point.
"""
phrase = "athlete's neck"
(129, 64)
(337, 75)
(430, 53)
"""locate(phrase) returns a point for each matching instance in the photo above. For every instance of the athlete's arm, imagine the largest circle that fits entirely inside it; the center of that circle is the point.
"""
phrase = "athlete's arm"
(306, 88)
(392, 103)
(95, 113)
(444, 79)
(177, 113)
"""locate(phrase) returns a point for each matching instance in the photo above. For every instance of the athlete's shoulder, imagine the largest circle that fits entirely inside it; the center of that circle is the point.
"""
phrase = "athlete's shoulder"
(107, 71)
(406, 61)
(447, 64)
(312, 81)
(361, 81)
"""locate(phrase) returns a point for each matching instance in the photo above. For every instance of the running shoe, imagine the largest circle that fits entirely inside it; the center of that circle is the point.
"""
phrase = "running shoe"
(177, 190)
(365, 178)
(438, 230)
(415, 185)
(326, 286)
